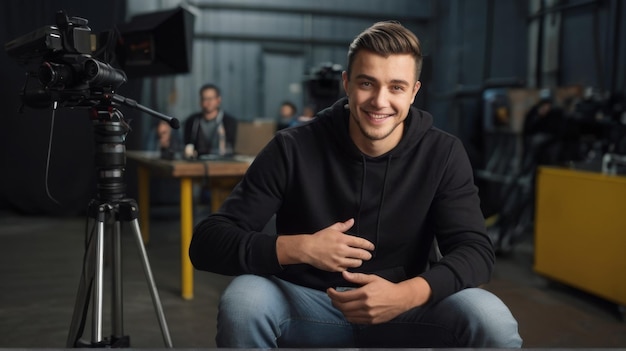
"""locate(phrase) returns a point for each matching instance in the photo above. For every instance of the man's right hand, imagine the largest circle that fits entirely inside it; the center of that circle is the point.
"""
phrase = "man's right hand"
(329, 249)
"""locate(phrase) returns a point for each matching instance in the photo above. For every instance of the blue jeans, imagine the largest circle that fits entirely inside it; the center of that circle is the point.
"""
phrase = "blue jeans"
(267, 312)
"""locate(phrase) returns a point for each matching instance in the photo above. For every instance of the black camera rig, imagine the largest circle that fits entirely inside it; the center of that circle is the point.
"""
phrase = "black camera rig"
(61, 59)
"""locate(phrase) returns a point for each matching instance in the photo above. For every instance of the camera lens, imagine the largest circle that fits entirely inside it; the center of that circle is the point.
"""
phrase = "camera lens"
(54, 74)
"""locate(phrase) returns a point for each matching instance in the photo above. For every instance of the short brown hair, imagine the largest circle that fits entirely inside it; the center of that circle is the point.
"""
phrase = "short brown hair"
(210, 86)
(387, 38)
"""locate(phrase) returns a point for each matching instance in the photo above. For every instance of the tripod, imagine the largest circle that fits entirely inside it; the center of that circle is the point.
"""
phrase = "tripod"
(111, 204)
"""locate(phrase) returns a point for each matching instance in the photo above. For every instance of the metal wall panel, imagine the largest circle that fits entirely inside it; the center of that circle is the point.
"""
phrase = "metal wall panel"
(509, 40)
(585, 56)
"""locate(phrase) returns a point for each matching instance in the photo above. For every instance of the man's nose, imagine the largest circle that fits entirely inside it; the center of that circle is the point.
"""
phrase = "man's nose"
(380, 98)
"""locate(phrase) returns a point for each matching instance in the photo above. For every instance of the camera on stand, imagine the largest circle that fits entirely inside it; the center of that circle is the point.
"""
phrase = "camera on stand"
(69, 66)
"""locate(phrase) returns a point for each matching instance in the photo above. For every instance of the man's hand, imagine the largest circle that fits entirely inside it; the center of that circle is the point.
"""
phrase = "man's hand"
(378, 300)
(329, 249)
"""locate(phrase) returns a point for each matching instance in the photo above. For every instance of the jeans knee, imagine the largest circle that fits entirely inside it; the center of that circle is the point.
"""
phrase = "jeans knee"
(490, 322)
(249, 297)
(250, 310)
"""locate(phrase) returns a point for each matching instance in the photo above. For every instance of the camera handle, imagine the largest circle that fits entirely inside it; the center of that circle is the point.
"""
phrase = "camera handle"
(173, 122)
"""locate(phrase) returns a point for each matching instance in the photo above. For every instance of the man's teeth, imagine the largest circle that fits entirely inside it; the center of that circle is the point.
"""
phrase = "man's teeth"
(375, 116)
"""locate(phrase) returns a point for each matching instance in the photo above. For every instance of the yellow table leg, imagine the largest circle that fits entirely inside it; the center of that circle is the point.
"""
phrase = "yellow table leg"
(144, 202)
(217, 198)
(186, 229)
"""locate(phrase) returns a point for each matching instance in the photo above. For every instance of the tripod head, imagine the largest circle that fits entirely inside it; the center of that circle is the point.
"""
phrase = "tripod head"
(110, 130)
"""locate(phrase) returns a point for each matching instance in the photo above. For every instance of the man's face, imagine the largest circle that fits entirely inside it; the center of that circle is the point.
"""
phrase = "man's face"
(286, 111)
(210, 102)
(380, 92)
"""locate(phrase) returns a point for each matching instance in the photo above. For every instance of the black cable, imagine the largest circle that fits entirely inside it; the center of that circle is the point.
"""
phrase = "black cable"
(54, 109)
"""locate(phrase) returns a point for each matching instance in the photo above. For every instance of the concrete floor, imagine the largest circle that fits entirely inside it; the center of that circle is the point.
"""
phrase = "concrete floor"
(41, 260)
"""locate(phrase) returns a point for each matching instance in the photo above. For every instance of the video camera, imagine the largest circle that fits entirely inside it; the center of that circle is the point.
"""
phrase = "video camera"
(323, 85)
(60, 57)
(77, 68)
(325, 80)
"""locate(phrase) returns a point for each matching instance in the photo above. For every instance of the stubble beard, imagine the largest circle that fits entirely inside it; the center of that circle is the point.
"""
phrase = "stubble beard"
(369, 135)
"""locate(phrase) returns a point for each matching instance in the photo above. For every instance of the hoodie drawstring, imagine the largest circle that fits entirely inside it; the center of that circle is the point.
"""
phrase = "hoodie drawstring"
(358, 212)
(380, 204)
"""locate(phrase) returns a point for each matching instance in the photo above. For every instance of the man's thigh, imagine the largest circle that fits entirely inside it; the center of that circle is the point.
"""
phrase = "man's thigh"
(469, 318)
(295, 316)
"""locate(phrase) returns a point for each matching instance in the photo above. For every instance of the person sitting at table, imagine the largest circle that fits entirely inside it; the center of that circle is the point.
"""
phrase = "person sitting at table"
(287, 115)
(212, 130)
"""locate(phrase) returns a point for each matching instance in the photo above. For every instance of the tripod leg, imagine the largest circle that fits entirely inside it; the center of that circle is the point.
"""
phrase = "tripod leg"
(90, 283)
(81, 305)
(96, 323)
(153, 290)
(117, 311)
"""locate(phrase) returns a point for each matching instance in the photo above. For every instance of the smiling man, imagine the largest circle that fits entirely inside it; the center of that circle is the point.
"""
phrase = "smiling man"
(360, 194)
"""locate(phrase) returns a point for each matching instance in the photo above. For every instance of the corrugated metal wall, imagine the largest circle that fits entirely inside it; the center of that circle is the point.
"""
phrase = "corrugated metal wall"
(259, 52)
(475, 42)
(241, 45)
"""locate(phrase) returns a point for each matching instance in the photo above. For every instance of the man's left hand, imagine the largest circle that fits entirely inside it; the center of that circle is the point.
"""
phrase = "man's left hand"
(378, 300)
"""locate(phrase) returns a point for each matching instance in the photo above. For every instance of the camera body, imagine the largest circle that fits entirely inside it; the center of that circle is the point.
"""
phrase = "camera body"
(60, 57)
(323, 85)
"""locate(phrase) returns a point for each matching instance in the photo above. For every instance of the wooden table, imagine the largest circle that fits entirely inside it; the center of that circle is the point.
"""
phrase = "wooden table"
(222, 175)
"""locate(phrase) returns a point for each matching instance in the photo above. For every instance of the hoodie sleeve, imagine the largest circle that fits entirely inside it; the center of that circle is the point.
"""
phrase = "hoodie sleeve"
(231, 241)
(468, 255)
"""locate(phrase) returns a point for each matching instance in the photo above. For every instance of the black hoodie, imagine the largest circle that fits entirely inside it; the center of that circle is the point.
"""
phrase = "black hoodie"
(313, 175)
